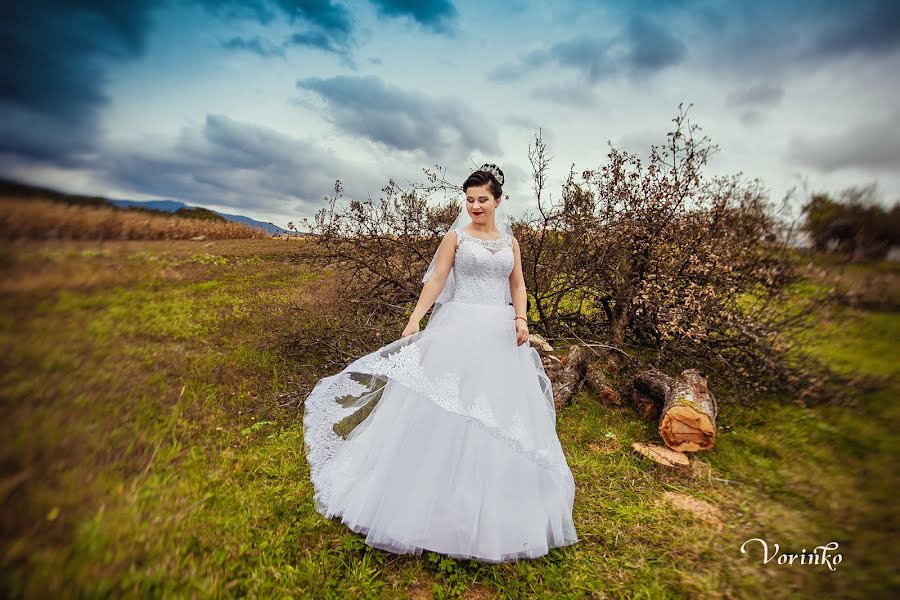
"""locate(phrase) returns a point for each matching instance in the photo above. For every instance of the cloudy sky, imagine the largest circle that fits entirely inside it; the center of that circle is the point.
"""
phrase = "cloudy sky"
(257, 107)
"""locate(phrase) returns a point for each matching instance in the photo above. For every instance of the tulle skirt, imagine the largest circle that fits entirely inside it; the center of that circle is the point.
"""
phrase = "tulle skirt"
(444, 441)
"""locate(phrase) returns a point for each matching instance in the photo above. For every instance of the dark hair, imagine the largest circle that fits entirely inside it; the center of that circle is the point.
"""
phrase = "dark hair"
(483, 177)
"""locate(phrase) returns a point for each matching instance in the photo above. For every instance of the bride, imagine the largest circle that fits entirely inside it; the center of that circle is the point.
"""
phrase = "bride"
(445, 439)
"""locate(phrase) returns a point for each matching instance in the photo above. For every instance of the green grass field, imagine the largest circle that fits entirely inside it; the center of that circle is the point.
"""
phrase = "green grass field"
(153, 447)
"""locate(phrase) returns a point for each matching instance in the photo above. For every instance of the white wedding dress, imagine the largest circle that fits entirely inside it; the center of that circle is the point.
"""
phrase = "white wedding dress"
(446, 440)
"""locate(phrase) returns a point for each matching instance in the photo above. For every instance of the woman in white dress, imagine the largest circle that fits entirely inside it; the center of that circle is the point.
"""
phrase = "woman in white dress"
(445, 439)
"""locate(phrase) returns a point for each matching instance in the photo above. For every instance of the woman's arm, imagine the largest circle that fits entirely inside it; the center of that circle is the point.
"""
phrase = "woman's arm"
(519, 294)
(436, 281)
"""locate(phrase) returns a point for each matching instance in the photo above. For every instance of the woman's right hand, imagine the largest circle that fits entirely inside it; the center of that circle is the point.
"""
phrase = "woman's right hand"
(411, 328)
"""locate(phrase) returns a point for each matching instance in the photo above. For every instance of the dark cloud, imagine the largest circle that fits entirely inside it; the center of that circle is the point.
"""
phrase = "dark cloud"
(651, 48)
(51, 75)
(814, 29)
(322, 14)
(588, 54)
(55, 54)
(867, 27)
(326, 25)
(437, 15)
(641, 48)
(872, 145)
(27, 136)
(255, 10)
(754, 38)
(315, 39)
(329, 26)
(400, 119)
(326, 42)
(237, 164)
(769, 38)
(771, 42)
(256, 45)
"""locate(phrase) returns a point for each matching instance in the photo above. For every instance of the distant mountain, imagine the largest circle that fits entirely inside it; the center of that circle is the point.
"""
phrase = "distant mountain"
(18, 189)
(160, 205)
(270, 227)
(174, 205)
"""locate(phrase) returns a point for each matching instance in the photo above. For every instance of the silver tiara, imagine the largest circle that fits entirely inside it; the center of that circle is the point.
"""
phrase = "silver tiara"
(493, 170)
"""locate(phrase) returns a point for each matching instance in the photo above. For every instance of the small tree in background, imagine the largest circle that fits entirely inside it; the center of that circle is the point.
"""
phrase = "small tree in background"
(663, 260)
(856, 226)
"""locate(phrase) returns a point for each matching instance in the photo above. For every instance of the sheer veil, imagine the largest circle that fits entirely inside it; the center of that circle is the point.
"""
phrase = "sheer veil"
(503, 223)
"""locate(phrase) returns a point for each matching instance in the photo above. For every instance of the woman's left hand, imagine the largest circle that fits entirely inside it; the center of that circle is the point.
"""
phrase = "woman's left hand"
(521, 332)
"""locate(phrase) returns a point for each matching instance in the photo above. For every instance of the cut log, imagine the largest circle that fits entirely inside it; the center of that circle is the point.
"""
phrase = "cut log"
(662, 455)
(577, 358)
(538, 342)
(688, 421)
(568, 377)
(645, 406)
(647, 392)
(654, 383)
(551, 363)
(597, 382)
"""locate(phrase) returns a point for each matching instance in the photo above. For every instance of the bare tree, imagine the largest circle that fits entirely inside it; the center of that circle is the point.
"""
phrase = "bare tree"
(658, 259)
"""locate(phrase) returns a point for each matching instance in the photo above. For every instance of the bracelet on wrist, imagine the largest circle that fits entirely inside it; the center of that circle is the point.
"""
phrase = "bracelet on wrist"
(523, 318)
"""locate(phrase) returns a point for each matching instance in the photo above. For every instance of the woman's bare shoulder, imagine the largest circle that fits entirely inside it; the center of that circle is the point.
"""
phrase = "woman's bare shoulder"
(451, 239)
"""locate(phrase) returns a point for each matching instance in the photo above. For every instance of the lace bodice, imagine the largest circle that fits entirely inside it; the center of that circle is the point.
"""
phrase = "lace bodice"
(482, 268)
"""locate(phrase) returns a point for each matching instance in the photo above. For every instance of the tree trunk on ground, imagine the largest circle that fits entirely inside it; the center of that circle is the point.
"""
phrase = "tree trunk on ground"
(647, 392)
(688, 420)
(684, 405)
(596, 381)
(568, 377)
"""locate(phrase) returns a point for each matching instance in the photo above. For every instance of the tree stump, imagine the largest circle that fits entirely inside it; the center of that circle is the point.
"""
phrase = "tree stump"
(689, 412)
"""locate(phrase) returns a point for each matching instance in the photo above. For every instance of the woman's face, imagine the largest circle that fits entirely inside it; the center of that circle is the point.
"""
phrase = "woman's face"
(481, 204)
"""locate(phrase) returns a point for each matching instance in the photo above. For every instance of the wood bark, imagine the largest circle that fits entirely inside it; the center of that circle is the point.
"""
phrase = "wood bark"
(688, 421)
(647, 392)
(684, 405)
(568, 377)
(596, 381)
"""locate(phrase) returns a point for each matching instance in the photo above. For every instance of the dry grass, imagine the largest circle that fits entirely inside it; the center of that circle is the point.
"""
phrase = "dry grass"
(45, 219)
